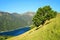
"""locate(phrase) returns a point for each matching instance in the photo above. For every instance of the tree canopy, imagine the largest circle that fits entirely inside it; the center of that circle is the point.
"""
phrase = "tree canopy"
(43, 14)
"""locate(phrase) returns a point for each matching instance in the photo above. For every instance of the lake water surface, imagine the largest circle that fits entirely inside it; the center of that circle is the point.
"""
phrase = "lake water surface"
(15, 32)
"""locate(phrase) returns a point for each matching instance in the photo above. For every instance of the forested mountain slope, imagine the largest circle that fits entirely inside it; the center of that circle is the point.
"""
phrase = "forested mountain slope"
(11, 21)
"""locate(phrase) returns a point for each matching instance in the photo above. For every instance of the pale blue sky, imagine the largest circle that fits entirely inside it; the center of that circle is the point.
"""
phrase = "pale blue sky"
(21, 6)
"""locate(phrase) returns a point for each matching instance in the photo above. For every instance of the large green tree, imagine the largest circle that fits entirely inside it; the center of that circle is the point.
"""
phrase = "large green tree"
(43, 14)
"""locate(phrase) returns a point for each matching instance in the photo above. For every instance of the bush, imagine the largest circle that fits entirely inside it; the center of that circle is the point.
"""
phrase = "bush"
(32, 26)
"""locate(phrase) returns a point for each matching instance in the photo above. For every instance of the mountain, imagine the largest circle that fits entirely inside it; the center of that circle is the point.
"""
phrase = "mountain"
(11, 21)
(27, 17)
(49, 31)
(29, 13)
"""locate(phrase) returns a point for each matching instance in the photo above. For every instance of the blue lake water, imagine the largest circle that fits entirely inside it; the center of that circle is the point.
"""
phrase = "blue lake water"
(15, 32)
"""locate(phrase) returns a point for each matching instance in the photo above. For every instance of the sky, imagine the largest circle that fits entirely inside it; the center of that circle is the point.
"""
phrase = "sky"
(21, 6)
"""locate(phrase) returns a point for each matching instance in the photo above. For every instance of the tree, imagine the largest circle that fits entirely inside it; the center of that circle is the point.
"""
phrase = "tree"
(43, 14)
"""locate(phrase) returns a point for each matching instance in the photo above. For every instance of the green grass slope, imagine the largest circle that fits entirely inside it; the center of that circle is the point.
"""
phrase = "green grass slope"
(49, 31)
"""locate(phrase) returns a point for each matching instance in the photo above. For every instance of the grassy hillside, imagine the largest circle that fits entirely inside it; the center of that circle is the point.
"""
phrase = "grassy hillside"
(49, 31)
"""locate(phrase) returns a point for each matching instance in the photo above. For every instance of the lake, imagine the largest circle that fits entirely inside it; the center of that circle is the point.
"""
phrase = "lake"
(15, 32)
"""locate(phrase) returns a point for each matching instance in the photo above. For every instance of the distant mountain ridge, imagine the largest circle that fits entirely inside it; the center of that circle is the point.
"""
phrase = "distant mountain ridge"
(11, 21)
